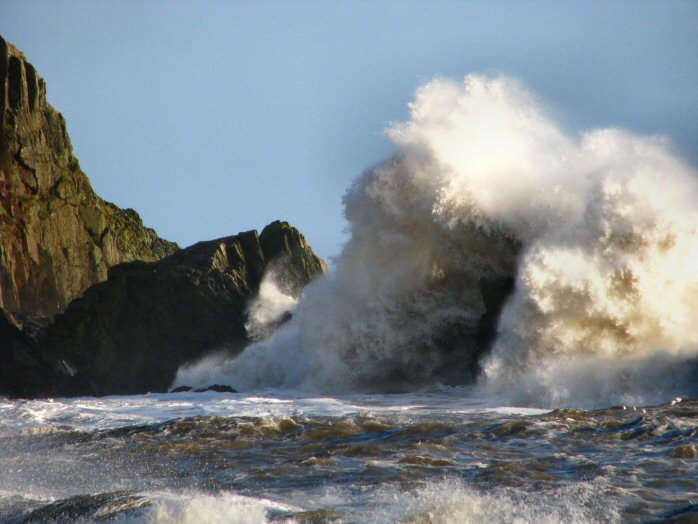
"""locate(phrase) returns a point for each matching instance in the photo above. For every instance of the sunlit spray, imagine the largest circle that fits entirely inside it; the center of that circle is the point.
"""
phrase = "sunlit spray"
(598, 231)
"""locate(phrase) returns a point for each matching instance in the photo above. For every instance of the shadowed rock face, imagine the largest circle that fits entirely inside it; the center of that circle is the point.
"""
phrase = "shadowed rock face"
(57, 237)
(21, 372)
(131, 333)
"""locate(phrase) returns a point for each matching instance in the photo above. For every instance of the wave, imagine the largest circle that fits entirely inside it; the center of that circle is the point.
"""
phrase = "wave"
(436, 502)
(596, 231)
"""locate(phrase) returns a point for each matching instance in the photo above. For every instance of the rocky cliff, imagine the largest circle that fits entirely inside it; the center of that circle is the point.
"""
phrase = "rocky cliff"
(131, 333)
(91, 301)
(57, 237)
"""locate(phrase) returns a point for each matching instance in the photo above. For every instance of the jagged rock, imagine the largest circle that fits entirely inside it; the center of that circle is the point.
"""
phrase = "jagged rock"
(284, 244)
(57, 237)
(132, 332)
(181, 389)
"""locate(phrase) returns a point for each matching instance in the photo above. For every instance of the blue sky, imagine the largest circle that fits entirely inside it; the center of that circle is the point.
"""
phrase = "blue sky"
(214, 117)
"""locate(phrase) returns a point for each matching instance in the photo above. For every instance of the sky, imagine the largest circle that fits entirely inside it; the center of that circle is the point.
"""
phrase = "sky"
(214, 117)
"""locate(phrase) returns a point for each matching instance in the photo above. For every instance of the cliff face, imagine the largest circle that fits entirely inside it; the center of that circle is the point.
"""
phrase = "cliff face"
(131, 333)
(57, 237)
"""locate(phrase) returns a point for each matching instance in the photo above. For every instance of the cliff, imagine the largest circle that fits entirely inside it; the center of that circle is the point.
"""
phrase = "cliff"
(57, 237)
(91, 301)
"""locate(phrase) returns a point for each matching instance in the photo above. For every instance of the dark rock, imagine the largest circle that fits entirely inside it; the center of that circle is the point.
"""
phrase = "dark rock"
(100, 507)
(57, 237)
(495, 293)
(218, 388)
(20, 371)
(25, 371)
(132, 332)
(284, 244)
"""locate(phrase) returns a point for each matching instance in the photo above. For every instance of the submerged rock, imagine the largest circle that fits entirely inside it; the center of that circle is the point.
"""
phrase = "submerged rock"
(57, 237)
(132, 332)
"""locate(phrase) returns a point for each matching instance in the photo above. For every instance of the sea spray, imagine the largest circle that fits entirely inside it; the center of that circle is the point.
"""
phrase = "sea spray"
(269, 308)
(604, 308)
(599, 231)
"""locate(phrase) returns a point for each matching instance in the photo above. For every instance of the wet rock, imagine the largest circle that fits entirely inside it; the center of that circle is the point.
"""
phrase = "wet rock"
(87, 508)
(284, 244)
(218, 388)
(57, 237)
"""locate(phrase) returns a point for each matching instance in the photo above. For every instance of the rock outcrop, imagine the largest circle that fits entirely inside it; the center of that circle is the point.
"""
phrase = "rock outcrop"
(132, 332)
(57, 237)
(91, 301)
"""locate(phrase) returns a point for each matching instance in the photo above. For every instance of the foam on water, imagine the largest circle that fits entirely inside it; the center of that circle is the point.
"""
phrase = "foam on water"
(438, 502)
(453, 502)
(89, 414)
(600, 231)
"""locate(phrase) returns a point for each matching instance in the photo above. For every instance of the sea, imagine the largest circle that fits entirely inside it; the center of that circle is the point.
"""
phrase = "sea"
(436, 456)
(378, 402)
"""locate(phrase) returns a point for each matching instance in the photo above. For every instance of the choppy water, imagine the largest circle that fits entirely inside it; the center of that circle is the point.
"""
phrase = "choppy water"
(437, 456)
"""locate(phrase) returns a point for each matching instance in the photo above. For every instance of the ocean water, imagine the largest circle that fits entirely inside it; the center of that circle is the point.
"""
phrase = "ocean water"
(434, 456)
(375, 402)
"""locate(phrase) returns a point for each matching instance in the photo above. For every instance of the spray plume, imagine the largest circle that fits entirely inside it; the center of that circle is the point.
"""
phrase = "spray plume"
(599, 232)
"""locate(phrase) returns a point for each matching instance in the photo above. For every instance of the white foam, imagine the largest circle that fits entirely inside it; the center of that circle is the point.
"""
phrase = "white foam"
(88, 414)
(438, 502)
(454, 502)
(196, 507)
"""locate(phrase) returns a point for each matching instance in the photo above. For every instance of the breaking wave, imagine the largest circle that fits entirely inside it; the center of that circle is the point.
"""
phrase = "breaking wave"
(597, 232)
(268, 309)
(443, 502)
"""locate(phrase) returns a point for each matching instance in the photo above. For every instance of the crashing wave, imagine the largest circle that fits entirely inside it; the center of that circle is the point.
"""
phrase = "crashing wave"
(598, 231)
